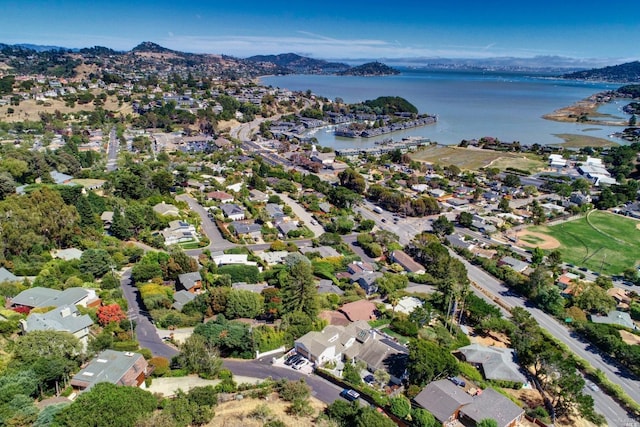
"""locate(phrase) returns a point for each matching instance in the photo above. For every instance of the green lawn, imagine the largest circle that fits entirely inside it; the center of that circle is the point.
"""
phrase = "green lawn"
(603, 242)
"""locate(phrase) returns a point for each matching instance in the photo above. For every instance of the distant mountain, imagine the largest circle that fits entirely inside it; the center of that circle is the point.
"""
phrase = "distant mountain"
(370, 69)
(300, 64)
(41, 48)
(151, 47)
(628, 72)
(99, 50)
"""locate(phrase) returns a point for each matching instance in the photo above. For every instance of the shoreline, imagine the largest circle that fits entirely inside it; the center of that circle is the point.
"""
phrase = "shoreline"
(585, 107)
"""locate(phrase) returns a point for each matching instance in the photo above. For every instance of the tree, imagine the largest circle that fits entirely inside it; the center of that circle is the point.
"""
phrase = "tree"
(49, 344)
(391, 282)
(241, 303)
(382, 377)
(423, 418)
(96, 262)
(231, 339)
(442, 226)
(511, 180)
(503, 205)
(537, 255)
(120, 226)
(110, 313)
(352, 180)
(199, 357)
(400, 406)
(108, 405)
(428, 362)
(593, 298)
(299, 292)
(7, 185)
(465, 219)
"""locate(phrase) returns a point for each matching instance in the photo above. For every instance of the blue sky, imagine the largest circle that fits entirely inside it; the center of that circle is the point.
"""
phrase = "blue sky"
(335, 29)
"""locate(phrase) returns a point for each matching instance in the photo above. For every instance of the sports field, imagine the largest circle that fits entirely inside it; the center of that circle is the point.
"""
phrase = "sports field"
(601, 241)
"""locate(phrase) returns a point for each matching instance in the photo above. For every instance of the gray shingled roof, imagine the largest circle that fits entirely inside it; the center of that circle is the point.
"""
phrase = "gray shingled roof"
(491, 404)
(65, 318)
(497, 363)
(7, 276)
(181, 298)
(189, 280)
(109, 366)
(45, 297)
(442, 398)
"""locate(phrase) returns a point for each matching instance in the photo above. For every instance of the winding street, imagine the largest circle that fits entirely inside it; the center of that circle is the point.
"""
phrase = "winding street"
(145, 330)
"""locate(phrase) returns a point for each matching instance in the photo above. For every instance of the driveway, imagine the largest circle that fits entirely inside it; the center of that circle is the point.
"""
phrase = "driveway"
(302, 213)
(217, 242)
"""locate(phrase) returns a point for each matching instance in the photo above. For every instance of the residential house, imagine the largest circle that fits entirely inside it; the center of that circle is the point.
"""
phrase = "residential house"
(458, 241)
(580, 199)
(622, 299)
(255, 288)
(615, 317)
(326, 286)
(323, 251)
(359, 310)
(227, 259)
(367, 281)
(60, 178)
(515, 264)
(236, 188)
(408, 263)
(275, 211)
(325, 159)
(330, 343)
(491, 404)
(273, 258)
(115, 367)
(178, 232)
(68, 254)
(220, 196)
(287, 226)
(190, 282)
(45, 297)
(495, 363)
(379, 354)
(233, 211)
(166, 209)
(360, 267)
(182, 298)
(7, 276)
(444, 400)
(258, 196)
(247, 229)
(107, 219)
(406, 305)
(65, 318)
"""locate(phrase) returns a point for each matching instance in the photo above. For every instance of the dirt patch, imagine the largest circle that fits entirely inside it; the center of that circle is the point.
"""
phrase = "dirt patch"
(236, 413)
(494, 339)
(532, 239)
(638, 226)
(630, 338)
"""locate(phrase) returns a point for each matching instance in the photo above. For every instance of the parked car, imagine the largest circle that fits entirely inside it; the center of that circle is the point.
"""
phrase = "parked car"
(349, 394)
(457, 381)
(369, 379)
(292, 359)
(300, 364)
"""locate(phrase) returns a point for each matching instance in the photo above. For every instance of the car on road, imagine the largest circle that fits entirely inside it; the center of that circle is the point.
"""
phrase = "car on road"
(349, 394)
(593, 386)
(384, 219)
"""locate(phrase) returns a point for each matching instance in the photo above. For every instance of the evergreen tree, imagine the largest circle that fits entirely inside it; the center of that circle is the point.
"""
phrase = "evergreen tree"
(298, 289)
(88, 218)
(120, 226)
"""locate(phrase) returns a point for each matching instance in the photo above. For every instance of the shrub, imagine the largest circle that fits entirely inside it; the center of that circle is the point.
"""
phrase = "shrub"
(400, 406)
(160, 365)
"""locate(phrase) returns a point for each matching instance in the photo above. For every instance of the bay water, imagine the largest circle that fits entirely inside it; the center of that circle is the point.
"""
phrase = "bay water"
(469, 104)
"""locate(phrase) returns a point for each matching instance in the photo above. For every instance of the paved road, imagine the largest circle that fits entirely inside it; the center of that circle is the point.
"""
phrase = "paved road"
(217, 242)
(145, 331)
(112, 151)
(618, 375)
